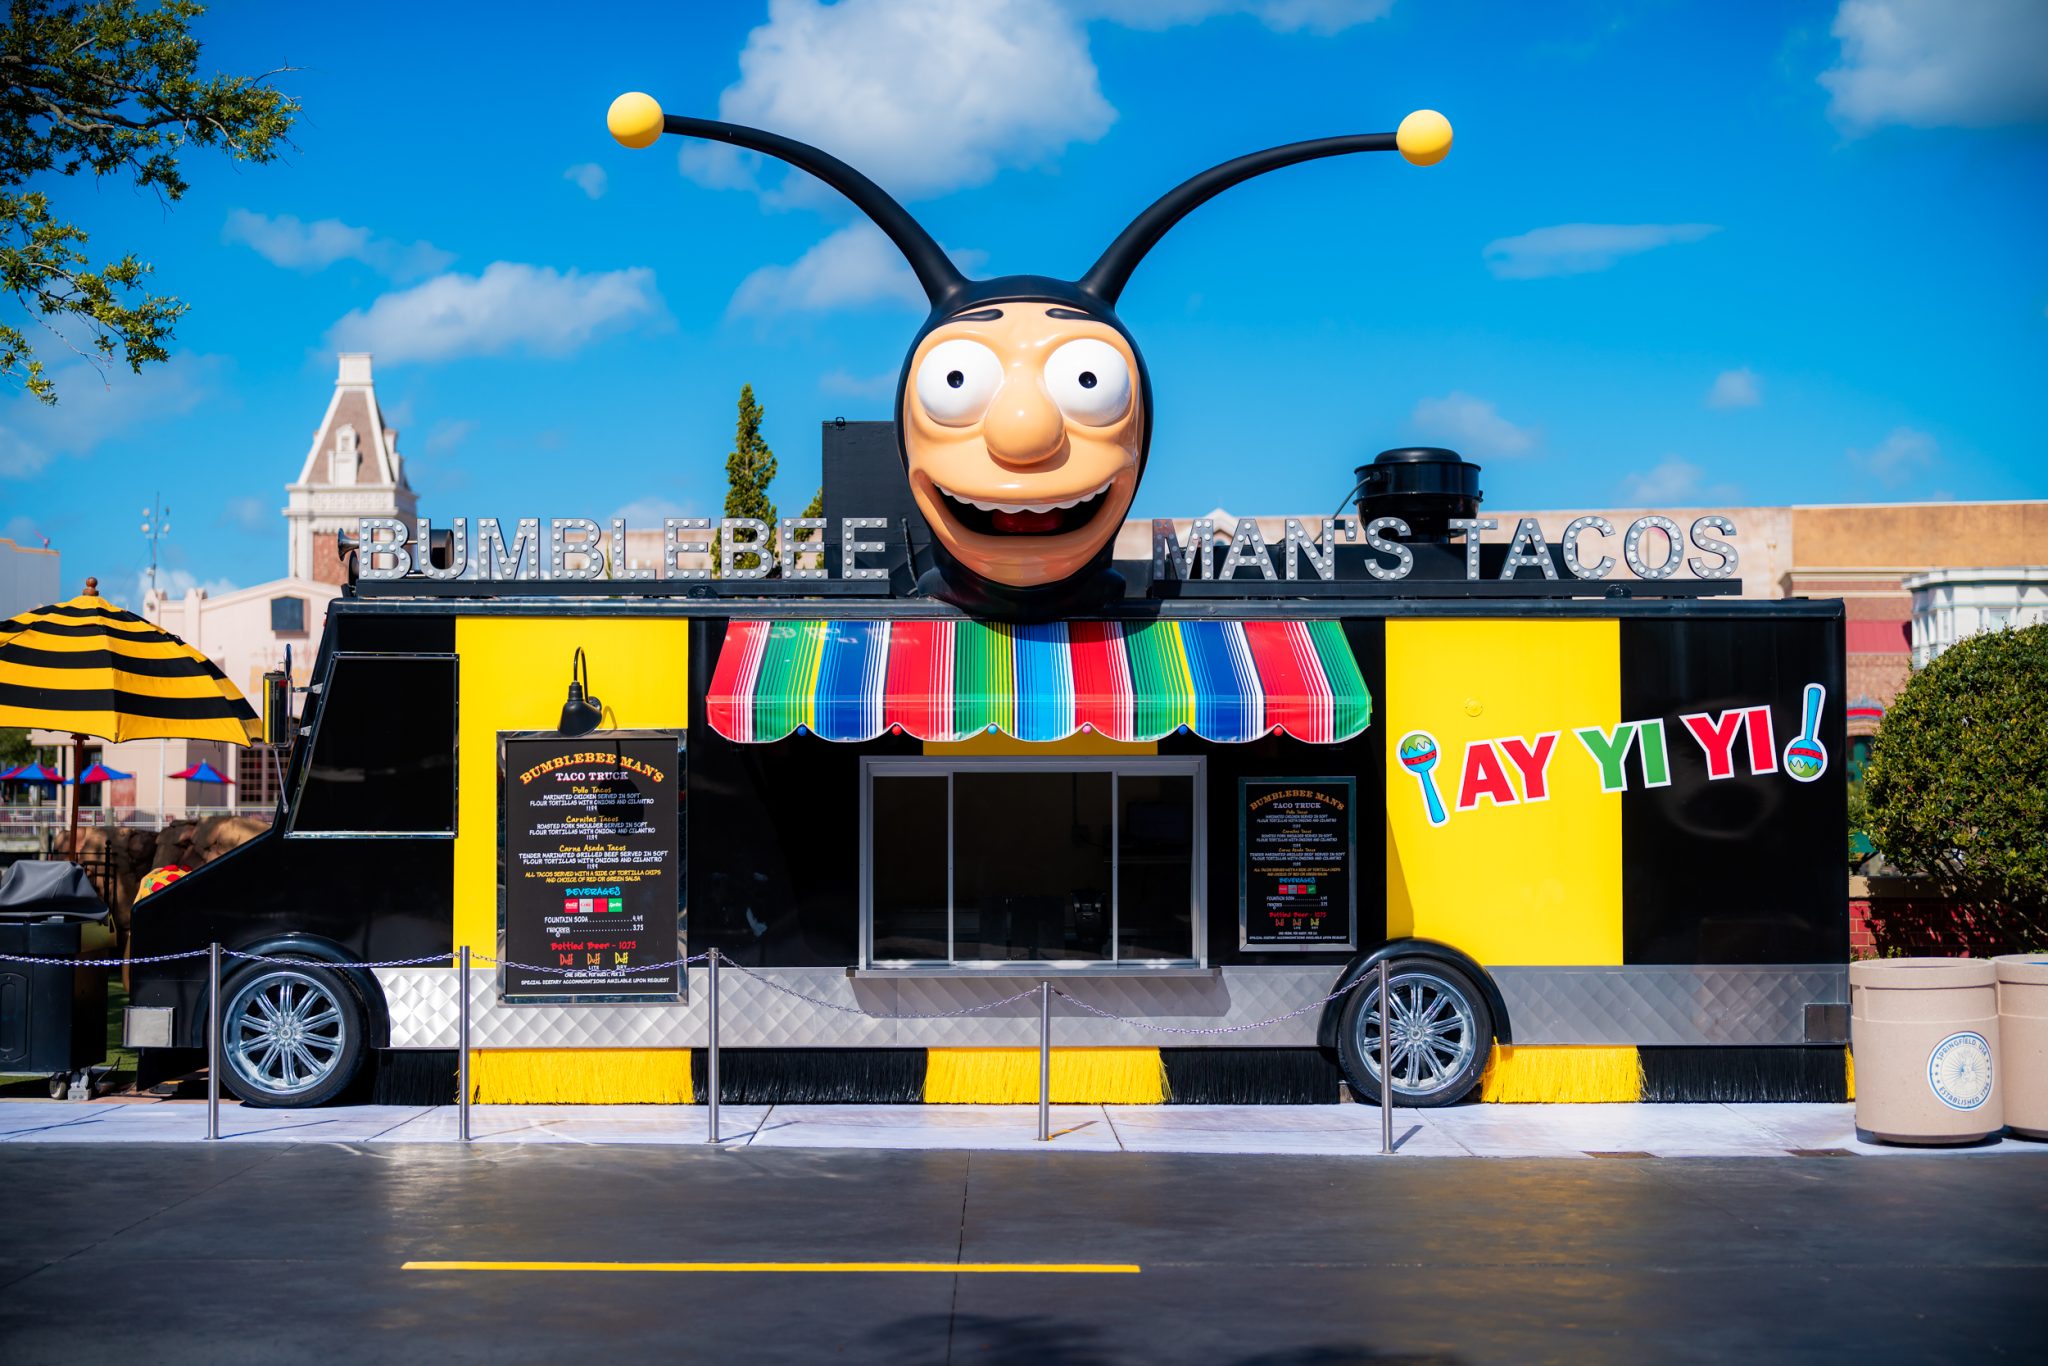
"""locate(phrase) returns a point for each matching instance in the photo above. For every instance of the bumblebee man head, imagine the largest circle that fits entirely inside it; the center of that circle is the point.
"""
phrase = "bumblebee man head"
(1024, 413)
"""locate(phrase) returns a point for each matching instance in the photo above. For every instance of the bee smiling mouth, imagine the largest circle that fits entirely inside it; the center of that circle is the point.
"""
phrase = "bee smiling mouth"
(1024, 519)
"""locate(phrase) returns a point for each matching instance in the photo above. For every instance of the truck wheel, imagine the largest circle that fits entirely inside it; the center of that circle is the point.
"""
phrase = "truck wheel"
(1441, 1036)
(291, 1035)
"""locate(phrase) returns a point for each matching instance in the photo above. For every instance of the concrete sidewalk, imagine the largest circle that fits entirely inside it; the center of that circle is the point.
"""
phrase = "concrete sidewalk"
(1574, 1131)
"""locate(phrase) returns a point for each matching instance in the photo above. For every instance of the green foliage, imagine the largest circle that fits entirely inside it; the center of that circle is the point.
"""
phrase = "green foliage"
(15, 749)
(815, 508)
(749, 469)
(1958, 780)
(111, 89)
(1860, 843)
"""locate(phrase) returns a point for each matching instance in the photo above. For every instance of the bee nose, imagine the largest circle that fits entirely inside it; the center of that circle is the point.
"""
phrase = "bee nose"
(1024, 426)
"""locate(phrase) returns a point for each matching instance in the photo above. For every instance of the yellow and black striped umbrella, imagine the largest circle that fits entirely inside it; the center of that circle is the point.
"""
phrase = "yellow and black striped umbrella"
(91, 668)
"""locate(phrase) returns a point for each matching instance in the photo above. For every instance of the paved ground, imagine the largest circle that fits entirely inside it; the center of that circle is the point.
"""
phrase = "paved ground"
(1348, 1130)
(278, 1253)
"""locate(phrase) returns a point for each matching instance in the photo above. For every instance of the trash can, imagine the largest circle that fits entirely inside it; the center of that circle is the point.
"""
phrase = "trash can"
(2023, 1041)
(1925, 1031)
(53, 1015)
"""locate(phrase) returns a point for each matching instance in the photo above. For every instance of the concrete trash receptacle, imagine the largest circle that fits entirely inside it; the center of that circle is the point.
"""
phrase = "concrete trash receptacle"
(1925, 1032)
(2023, 1041)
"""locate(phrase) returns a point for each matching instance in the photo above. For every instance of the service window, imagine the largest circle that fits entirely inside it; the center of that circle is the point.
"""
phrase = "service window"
(1032, 861)
(382, 760)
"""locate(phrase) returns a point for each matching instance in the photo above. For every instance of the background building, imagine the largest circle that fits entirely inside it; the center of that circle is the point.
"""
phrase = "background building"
(352, 469)
(29, 577)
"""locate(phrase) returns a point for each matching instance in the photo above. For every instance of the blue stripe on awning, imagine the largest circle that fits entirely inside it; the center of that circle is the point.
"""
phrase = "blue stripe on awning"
(1226, 687)
(1045, 682)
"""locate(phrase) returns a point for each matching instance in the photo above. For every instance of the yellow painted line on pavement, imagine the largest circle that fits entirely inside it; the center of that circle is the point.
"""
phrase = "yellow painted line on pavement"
(954, 1268)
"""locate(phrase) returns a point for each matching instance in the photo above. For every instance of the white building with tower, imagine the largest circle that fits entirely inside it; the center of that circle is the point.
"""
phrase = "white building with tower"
(351, 469)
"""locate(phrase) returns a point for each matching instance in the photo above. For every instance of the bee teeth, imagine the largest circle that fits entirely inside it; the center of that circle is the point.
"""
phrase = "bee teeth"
(1027, 507)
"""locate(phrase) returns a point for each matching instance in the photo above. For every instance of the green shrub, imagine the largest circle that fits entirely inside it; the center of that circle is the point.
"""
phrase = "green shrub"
(1957, 787)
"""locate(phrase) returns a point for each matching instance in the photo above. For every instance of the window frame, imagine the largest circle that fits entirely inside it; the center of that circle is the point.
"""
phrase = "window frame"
(1193, 767)
(312, 743)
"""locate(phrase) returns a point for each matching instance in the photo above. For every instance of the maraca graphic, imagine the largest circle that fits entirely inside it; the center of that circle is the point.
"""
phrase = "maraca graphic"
(1418, 753)
(1806, 758)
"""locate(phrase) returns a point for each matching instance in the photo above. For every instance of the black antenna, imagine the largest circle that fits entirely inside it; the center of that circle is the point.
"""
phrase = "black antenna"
(1107, 277)
(636, 121)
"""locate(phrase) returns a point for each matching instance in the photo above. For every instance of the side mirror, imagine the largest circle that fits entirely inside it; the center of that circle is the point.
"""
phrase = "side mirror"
(277, 709)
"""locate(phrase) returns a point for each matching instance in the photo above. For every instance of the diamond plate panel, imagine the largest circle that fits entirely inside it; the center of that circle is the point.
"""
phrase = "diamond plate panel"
(1672, 1005)
(753, 1014)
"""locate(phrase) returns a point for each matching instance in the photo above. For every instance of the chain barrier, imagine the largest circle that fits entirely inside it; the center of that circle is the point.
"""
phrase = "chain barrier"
(484, 959)
(319, 962)
(46, 960)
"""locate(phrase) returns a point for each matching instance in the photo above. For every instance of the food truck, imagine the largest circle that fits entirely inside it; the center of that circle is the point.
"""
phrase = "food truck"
(1592, 822)
(900, 764)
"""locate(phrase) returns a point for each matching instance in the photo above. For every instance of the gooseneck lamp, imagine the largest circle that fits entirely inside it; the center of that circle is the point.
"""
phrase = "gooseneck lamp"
(582, 712)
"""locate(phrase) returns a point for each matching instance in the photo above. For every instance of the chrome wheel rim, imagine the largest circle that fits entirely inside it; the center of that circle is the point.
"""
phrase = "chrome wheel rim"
(283, 1033)
(1433, 1035)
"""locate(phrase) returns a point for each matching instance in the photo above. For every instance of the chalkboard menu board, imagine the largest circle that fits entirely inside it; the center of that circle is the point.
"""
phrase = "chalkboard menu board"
(1297, 838)
(592, 866)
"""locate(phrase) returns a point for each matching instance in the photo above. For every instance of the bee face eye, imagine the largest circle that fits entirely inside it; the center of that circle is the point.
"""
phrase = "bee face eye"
(1090, 380)
(957, 380)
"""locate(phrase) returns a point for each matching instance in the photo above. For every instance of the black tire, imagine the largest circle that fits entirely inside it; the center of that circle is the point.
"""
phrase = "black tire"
(293, 1035)
(1445, 1061)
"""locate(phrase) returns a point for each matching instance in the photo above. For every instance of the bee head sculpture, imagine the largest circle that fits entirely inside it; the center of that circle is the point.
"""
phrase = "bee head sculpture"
(1024, 413)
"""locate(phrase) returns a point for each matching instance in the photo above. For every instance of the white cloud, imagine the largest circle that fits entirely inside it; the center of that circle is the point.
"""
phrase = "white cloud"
(588, 177)
(23, 530)
(1939, 63)
(1472, 426)
(285, 241)
(532, 308)
(178, 582)
(924, 96)
(1902, 454)
(446, 436)
(1581, 248)
(1674, 482)
(846, 384)
(1736, 389)
(650, 512)
(251, 512)
(91, 409)
(853, 267)
(1286, 16)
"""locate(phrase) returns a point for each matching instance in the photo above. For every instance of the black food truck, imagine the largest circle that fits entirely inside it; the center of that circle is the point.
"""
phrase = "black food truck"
(1592, 819)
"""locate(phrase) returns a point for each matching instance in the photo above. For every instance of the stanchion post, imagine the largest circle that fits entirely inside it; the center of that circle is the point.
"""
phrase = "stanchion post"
(213, 1040)
(1386, 1071)
(1045, 1062)
(711, 1052)
(462, 1045)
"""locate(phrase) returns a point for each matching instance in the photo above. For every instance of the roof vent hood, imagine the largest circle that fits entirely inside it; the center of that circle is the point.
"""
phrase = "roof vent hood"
(1425, 486)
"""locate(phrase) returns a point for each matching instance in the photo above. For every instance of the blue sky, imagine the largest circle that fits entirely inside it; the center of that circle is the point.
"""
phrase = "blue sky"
(1681, 253)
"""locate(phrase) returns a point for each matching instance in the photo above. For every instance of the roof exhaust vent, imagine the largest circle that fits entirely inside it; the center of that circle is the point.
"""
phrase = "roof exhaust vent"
(1425, 486)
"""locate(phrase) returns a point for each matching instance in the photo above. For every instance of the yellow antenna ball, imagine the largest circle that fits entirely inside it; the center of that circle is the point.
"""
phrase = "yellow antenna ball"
(1424, 137)
(635, 120)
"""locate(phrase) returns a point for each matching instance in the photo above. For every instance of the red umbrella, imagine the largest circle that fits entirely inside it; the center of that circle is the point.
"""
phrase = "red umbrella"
(36, 773)
(100, 773)
(202, 772)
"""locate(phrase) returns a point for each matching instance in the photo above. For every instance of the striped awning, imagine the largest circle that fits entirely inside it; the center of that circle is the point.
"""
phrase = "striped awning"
(91, 668)
(947, 680)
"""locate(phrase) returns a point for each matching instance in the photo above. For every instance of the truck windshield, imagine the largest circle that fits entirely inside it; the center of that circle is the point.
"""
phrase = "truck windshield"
(383, 759)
